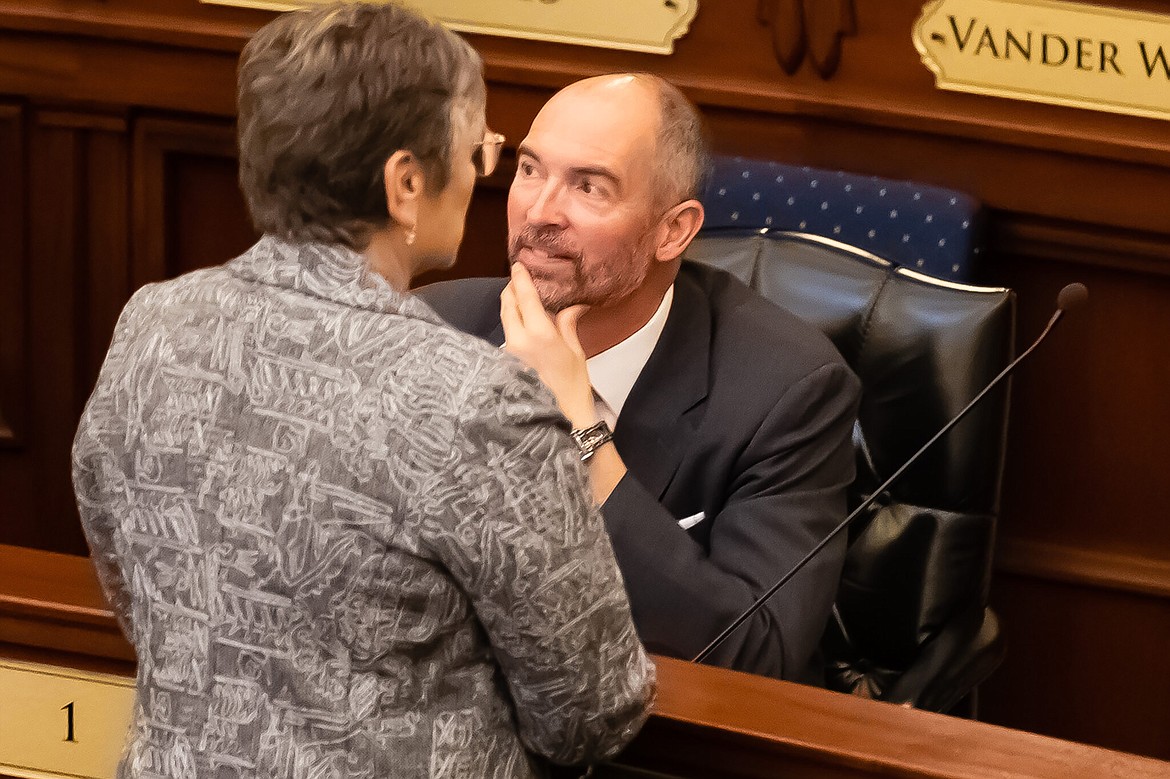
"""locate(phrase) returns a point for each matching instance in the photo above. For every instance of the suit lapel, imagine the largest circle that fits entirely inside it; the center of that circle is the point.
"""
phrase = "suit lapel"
(664, 408)
(491, 304)
(470, 305)
(496, 336)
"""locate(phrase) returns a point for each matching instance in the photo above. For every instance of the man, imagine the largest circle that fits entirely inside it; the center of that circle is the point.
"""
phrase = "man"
(731, 418)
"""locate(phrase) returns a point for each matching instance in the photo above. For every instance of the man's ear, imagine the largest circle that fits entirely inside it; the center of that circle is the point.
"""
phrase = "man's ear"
(405, 181)
(679, 227)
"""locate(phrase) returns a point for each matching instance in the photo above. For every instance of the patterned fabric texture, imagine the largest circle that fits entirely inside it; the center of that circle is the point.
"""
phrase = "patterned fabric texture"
(345, 539)
(929, 229)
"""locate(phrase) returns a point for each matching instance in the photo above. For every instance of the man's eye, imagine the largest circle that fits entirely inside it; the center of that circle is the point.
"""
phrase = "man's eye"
(526, 169)
(589, 187)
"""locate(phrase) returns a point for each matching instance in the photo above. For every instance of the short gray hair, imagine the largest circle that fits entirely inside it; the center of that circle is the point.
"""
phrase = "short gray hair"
(683, 157)
(327, 95)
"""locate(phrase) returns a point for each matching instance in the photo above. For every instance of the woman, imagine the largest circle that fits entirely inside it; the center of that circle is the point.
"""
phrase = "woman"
(345, 539)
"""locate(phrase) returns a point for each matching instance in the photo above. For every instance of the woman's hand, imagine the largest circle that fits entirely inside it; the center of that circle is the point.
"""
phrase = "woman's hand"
(549, 345)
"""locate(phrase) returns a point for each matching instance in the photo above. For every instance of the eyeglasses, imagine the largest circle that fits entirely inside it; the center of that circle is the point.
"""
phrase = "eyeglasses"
(485, 154)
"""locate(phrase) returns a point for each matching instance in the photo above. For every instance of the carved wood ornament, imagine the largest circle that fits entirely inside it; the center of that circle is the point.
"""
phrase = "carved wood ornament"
(809, 29)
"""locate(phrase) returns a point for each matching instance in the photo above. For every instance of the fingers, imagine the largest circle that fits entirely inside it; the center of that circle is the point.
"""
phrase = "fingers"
(510, 315)
(527, 298)
(566, 322)
(527, 326)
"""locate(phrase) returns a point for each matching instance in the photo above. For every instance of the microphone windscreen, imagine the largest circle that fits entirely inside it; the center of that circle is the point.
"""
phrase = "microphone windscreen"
(1072, 296)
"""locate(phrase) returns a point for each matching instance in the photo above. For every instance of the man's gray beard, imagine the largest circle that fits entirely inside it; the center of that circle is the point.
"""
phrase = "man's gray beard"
(630, 274)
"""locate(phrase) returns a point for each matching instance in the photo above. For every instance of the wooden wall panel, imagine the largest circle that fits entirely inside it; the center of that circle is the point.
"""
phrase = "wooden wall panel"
(13, 361)
(1072, 195)
(188, 211)
(1086, 662)
(1096, 429)
(76, 229)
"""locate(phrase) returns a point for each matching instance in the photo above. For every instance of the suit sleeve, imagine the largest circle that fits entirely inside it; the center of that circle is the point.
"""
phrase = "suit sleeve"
(98, 471)
(90, 473)
(526, 543)
(787, 494)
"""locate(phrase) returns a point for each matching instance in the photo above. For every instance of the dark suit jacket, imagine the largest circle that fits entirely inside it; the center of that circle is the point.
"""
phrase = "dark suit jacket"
(743, 412)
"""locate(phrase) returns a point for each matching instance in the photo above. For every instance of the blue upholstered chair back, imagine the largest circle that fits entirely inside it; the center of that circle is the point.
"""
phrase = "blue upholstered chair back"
(933, 230)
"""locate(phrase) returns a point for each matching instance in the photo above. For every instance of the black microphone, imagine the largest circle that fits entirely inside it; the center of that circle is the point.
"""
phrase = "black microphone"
(1069, 298)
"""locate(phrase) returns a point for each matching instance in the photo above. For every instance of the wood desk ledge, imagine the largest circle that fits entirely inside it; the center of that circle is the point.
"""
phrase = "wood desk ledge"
(53, 601)
(707, 721)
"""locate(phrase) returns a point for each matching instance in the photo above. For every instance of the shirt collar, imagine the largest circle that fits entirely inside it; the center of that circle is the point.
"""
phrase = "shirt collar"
(614, 371)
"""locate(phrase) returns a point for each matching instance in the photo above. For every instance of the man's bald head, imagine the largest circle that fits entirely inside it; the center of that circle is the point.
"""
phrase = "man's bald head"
(682, 157)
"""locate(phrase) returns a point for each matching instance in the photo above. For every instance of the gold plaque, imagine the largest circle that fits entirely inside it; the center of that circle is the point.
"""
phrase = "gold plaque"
(650, 26)
(60, 722)
(1070, 54)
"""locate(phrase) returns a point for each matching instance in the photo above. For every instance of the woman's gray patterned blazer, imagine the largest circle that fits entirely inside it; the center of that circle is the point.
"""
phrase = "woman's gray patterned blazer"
(345, 539)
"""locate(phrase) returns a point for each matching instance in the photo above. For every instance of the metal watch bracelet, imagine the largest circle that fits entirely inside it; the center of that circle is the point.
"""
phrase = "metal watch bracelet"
(592, 438)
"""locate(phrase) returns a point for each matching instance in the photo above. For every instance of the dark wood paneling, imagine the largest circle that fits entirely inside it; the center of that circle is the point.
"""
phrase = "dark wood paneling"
(1085, 662)
(106, 269)
(1088, 439)
(13, 361)
(188, 211)
(35, 483)
(76, 227)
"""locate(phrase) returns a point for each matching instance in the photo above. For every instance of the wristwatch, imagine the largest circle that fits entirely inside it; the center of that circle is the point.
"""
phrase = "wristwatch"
(590, 439)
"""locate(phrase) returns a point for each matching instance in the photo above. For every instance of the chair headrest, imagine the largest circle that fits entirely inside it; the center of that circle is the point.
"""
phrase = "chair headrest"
(931, 229)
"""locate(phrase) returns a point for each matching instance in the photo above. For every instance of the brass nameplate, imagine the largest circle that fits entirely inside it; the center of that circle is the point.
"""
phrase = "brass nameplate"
(1070, 54)
(650, 26)
(61, 722)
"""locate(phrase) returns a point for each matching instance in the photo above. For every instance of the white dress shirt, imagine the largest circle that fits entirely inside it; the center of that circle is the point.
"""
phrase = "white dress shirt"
(614, 371)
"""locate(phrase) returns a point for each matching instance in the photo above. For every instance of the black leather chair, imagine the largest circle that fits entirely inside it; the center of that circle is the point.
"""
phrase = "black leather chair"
(911, 622)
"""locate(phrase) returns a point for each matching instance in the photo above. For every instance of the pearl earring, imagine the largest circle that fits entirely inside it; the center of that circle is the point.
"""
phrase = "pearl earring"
(410, 237)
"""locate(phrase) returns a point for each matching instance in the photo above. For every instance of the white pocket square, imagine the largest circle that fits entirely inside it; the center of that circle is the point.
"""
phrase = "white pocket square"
(686, 523)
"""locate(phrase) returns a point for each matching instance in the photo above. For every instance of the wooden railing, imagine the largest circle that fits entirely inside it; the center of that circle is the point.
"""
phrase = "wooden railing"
(707, 722)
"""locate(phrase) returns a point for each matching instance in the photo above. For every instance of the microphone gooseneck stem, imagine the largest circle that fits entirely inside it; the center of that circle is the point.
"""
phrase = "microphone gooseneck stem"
(744, 617)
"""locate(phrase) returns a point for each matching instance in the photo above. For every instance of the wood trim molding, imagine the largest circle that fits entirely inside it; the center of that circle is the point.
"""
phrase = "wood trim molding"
(1119, 571)
(720, 91)
(1026, 235)
(53, 601)
(703, 715)
(137, 26)
(80, 120)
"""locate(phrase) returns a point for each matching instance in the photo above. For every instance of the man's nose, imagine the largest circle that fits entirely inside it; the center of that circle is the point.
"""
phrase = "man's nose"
(547, 208)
